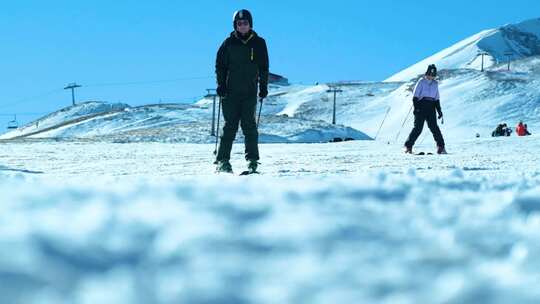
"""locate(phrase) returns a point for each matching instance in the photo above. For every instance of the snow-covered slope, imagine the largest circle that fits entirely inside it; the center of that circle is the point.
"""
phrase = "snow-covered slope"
(520, 40)
(355, 222)
(172, 123)
(473, 102)
(66, 115)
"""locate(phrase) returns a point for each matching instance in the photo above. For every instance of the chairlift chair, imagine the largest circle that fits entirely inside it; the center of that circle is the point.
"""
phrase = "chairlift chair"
(13, 124)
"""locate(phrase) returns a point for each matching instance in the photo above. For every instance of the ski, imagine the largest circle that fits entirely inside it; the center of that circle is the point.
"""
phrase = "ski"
(247, 172)
(423, 153)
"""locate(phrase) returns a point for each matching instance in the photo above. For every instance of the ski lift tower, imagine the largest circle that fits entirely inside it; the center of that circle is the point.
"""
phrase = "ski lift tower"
(508, 58)
(212, 94)
(334, 89)
(72, 86)
(13, 124)
(483, 53)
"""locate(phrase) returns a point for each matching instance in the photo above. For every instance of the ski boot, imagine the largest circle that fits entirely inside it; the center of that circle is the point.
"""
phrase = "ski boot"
(224, 166)
(251, 168)
(407, 150)
(441, 150)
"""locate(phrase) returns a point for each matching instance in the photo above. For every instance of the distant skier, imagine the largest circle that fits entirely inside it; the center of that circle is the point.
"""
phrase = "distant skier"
(241, 64)
(426, 102)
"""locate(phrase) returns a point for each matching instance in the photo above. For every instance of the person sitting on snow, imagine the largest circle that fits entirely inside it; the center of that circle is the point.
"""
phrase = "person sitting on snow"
(506, 130)
(520, 129)
(499, 131)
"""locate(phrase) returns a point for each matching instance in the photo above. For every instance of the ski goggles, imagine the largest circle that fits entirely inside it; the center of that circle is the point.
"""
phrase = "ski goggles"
(242, 22)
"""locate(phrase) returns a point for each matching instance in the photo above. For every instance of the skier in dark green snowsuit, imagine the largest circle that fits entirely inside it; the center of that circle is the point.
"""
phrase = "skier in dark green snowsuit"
(241, 66)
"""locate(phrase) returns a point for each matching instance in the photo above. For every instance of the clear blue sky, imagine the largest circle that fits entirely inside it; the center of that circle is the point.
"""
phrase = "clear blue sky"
(139, 52)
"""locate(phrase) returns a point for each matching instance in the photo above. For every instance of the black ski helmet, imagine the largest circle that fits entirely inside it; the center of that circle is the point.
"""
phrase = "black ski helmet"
(431, 70)
(242, 14)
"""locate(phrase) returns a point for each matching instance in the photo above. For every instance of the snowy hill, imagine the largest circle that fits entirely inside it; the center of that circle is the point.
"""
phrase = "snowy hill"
(472, 101)
(170, 123)
(66, 116)
(520, 40)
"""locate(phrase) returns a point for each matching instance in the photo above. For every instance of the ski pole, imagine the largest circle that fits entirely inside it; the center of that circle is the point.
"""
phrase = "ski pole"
(380, 127)
(403, 124)
(260, 110)
(217, 131)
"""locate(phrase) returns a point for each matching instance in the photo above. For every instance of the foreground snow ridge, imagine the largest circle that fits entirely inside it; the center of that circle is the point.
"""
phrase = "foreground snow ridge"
(374, 238)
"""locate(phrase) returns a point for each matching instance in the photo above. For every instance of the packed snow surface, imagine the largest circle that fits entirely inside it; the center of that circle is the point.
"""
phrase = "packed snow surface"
(353, 222)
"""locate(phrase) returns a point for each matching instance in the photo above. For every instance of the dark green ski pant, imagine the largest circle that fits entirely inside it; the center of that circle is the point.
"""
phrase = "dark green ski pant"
(238, 109)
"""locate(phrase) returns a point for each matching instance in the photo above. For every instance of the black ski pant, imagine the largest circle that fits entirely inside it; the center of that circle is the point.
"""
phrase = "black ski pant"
(425, 112)
(239, 109)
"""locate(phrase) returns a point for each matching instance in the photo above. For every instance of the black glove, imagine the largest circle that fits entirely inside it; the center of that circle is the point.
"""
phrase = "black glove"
(440, 115)
(221, 90)
(263, 92)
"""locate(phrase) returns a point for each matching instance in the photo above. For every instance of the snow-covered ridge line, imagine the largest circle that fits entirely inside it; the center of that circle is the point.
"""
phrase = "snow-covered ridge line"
(512, 41)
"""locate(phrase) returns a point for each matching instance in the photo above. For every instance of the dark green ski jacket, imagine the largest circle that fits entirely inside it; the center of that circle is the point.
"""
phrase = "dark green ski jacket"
(241, 64)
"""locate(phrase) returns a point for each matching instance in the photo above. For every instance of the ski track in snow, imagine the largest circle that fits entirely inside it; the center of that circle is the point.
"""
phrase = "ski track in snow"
(354, 222)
